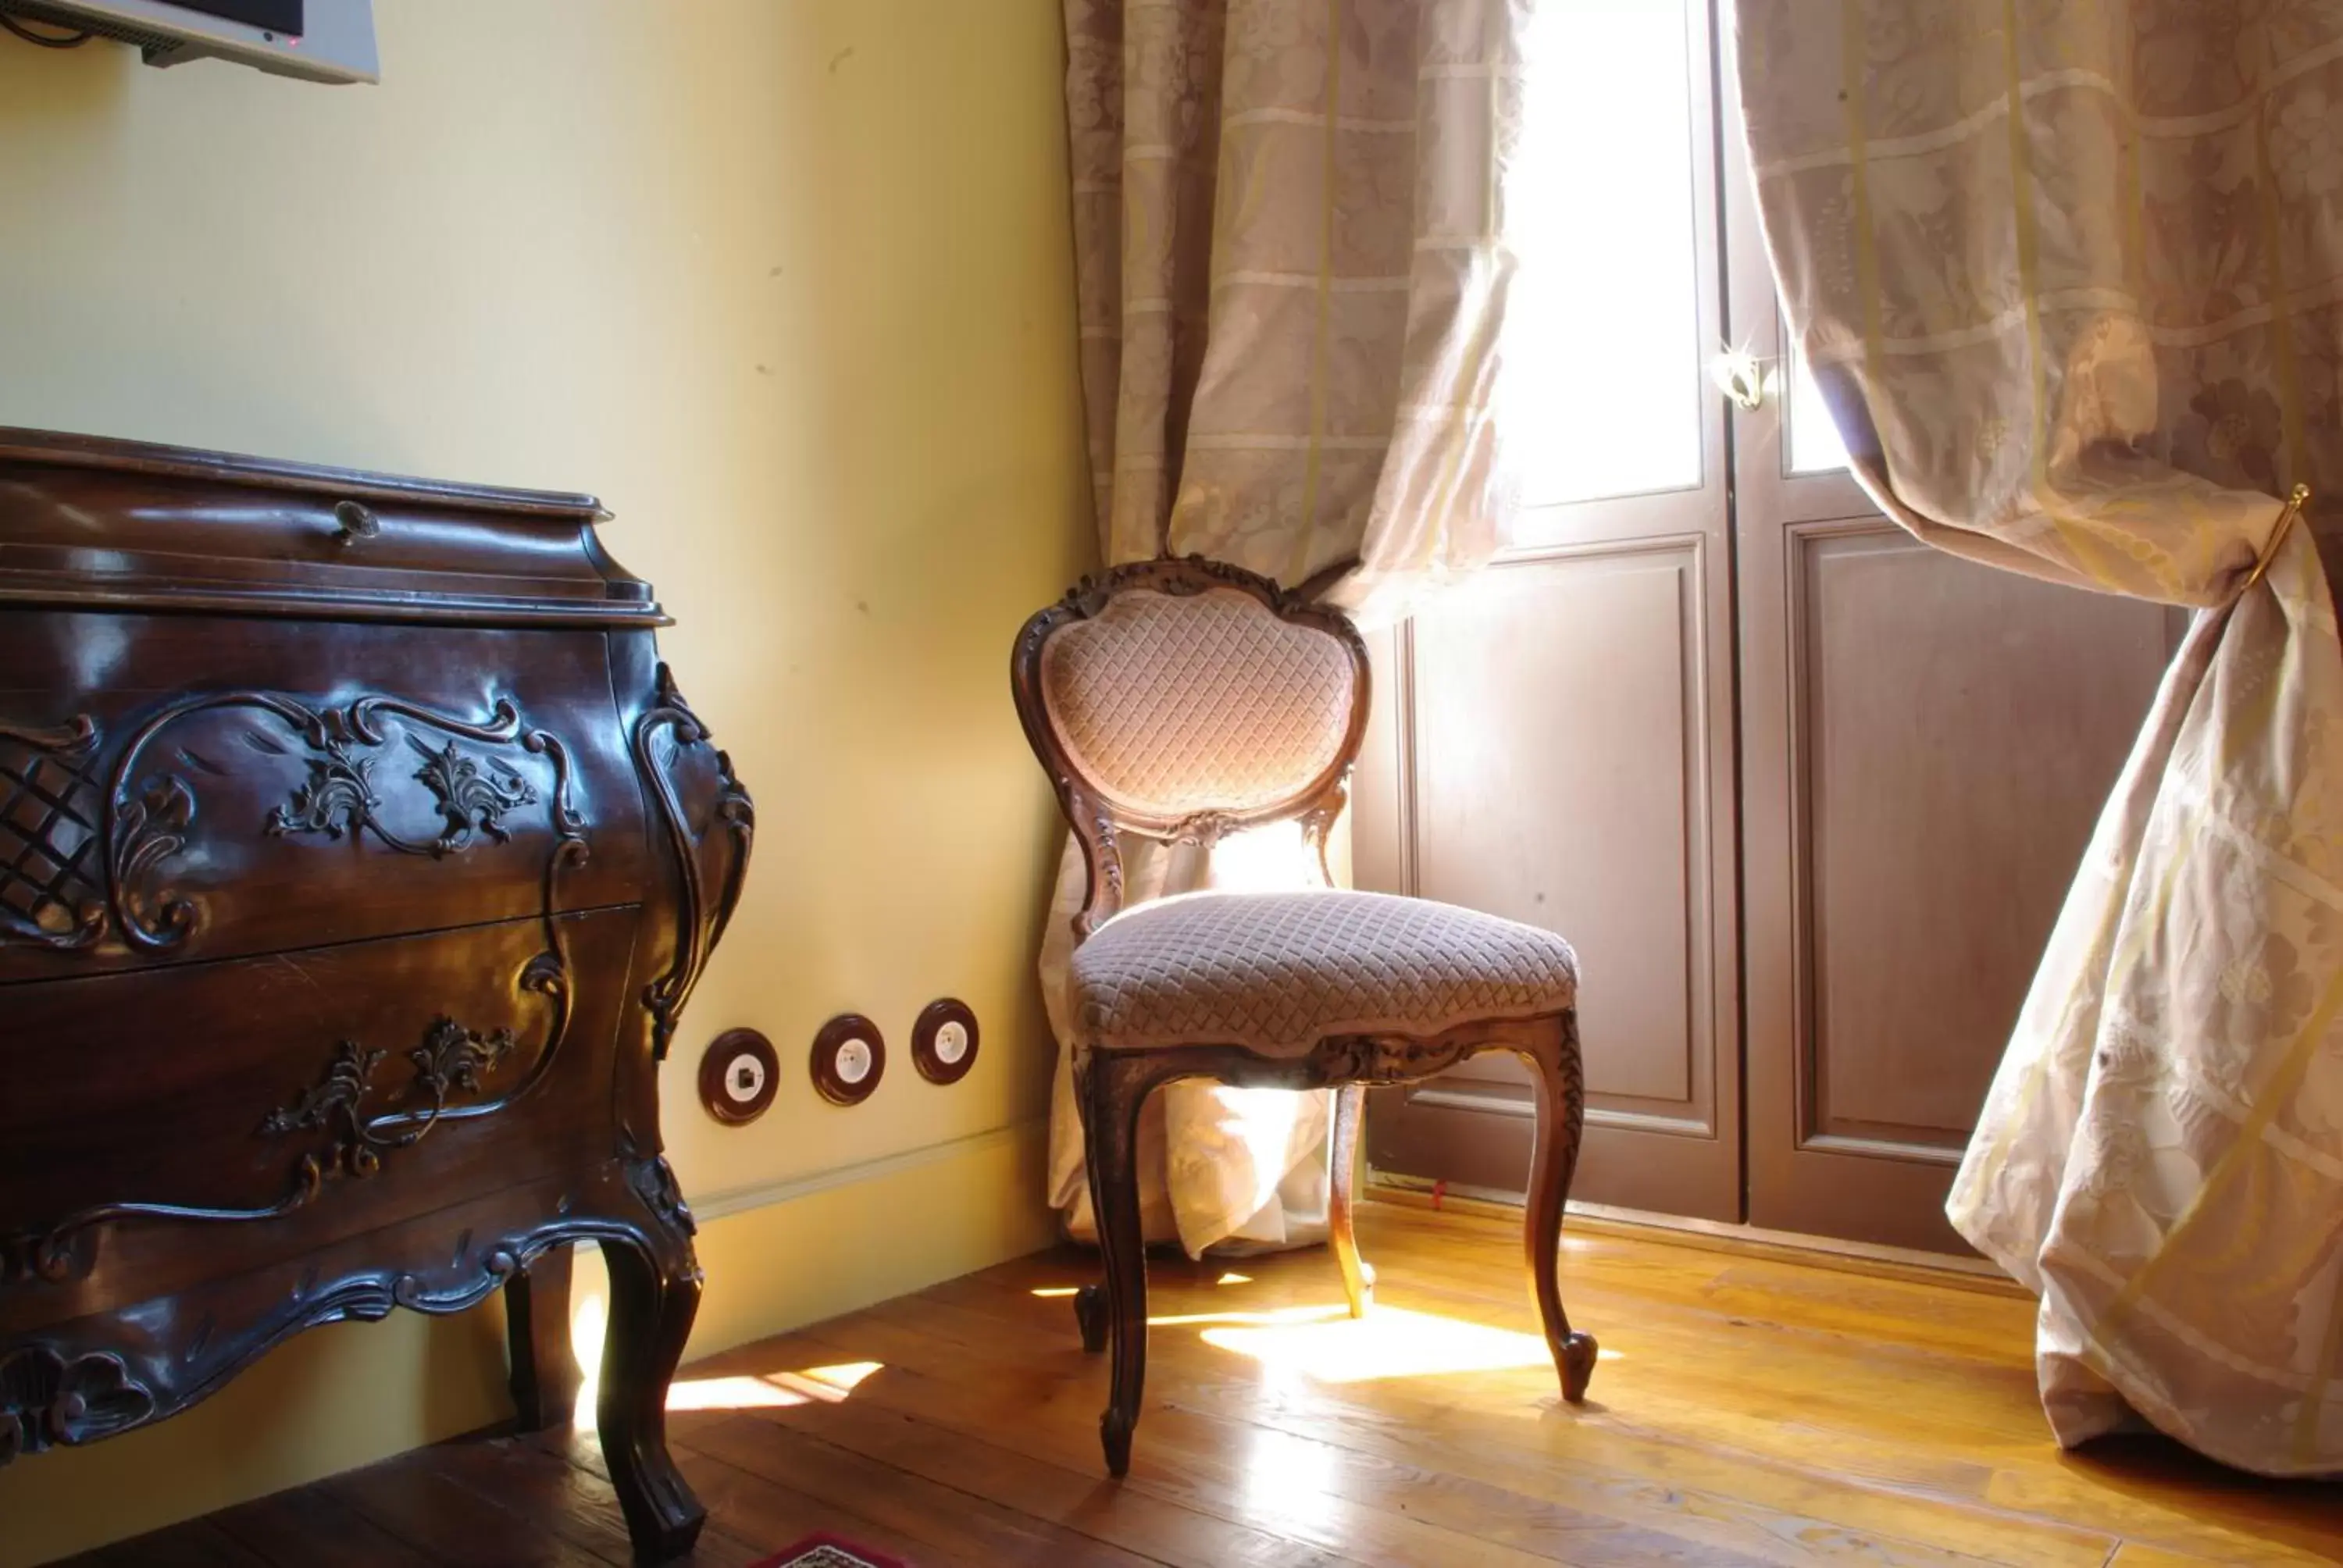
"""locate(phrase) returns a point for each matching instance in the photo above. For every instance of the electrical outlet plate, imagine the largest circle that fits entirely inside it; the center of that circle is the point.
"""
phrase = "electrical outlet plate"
(944, 1040)
(738, 1076)
(849, 1056)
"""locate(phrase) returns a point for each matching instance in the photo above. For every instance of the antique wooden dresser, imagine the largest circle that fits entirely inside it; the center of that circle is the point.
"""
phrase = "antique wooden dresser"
(357, 857)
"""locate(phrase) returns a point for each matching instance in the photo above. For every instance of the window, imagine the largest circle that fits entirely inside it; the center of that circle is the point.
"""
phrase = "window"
(1608, 293)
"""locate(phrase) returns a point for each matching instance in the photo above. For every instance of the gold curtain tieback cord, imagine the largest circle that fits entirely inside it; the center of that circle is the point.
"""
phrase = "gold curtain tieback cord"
(2286, 522)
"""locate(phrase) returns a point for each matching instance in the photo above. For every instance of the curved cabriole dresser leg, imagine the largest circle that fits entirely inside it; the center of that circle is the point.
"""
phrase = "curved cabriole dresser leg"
(655, 1285)
(544, 1372)
(1561, 1116)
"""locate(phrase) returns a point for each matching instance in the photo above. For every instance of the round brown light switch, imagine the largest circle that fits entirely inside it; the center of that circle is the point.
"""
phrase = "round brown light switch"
(849, 1056)
(738, 1076)
(943, 1041)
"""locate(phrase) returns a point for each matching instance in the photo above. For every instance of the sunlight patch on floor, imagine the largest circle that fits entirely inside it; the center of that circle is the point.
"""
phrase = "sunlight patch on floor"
(773, 1391)
(730, 1394)
(829, 1384)
(1275, 1317)
(1058, 1292)
(1289, 1482)
(1331, 1346)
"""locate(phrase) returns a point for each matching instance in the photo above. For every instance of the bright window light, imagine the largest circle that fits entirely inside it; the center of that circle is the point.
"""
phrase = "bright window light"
(1814, 444)
(1610, 385)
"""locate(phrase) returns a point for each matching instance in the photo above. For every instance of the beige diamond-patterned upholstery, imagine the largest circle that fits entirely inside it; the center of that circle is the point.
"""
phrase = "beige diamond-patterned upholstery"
(1179, 703)
(1277, 973)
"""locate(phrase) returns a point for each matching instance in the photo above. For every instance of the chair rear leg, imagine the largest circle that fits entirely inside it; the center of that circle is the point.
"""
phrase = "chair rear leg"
(1358, 1278)
(1111, 1092)
(1561, 1116)
(1089, 1316)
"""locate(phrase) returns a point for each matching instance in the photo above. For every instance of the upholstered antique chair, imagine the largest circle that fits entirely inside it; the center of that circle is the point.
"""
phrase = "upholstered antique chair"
(1184, 700)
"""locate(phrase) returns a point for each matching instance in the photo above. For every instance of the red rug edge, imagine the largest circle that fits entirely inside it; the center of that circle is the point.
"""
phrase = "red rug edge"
(790, 1554)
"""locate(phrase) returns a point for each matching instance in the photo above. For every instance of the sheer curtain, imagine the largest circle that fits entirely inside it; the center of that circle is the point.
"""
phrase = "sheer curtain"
(2071, 275)
(1291, 225)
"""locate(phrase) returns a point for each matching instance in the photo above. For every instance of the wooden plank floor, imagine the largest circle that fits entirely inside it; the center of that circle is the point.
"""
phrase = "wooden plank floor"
(1746, 1411)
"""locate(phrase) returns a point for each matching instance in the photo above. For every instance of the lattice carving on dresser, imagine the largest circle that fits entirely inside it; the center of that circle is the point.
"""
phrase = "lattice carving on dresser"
(52, 852)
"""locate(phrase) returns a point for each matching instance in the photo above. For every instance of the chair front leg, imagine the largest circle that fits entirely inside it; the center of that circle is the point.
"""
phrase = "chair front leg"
(1110, 1091)
(1358, 1278)
(1561, 1115)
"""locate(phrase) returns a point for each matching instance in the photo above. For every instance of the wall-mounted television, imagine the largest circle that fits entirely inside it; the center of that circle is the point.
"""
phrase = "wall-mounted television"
(316, 40)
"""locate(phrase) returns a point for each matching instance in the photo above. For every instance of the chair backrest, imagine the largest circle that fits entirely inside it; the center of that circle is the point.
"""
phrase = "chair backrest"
(1180, 700)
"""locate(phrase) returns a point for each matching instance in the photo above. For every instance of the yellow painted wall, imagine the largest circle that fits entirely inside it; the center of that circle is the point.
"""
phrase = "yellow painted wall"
(787, 282)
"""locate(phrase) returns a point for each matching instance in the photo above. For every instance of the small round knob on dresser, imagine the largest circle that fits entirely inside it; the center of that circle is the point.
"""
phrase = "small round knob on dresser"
(354, 522)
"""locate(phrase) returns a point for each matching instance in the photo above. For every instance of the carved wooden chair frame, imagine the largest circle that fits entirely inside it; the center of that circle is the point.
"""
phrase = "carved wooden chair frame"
(1111, 1086)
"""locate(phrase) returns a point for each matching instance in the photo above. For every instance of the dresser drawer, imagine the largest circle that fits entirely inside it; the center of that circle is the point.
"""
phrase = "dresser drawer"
(190, 1122)
(168, 795)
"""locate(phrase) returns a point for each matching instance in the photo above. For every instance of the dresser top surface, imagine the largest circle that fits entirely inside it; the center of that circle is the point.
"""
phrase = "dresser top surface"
(93, 522)
(63, 450)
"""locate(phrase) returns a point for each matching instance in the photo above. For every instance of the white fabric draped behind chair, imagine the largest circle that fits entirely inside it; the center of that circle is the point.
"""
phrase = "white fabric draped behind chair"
(1290, 231)
(2071, 272)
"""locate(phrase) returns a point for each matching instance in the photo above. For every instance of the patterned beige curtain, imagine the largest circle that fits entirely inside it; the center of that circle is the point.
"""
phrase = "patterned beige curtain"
(1290, 230)
(2071, 272)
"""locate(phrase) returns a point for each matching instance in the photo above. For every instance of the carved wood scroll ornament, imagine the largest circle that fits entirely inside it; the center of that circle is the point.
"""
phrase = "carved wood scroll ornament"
(149, 817)
(47, 1399)
(705, 911)
(339, 799)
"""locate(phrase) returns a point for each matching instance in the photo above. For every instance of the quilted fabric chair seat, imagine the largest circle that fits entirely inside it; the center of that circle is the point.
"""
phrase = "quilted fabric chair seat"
(1278, 972)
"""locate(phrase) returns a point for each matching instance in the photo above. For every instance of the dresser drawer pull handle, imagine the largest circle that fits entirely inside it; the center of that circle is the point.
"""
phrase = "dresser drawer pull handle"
(450, 1058)
(354, 522)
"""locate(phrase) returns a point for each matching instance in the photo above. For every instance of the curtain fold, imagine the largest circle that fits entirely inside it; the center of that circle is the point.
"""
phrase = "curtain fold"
(1292, 271)
(2071, 276)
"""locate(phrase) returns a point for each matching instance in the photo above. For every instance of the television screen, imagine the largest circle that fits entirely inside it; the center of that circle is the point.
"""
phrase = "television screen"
(277, 15)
